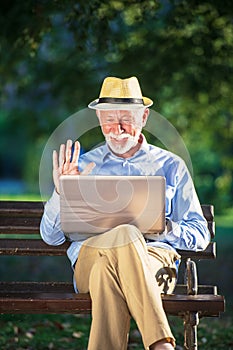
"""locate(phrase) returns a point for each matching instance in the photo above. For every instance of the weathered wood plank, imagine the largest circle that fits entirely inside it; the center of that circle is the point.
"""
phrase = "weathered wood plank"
(35, 247)
(208, 305)
(38, 247)
(22, 217)
(8, 288)
(21, 208)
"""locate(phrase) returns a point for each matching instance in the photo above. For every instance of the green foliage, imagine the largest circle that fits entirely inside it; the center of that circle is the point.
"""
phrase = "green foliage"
(54, 56)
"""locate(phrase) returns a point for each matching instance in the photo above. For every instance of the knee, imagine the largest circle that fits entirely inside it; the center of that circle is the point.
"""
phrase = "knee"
(125, 234)
(119, 236)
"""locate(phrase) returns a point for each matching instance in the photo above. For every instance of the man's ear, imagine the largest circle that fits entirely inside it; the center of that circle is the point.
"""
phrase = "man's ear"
(145, 116)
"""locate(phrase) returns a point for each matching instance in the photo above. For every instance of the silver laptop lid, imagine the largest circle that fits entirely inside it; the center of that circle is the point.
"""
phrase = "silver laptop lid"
(95, 204)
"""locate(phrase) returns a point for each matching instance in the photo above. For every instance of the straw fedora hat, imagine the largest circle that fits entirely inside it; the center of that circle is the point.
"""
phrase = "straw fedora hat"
(119, 93)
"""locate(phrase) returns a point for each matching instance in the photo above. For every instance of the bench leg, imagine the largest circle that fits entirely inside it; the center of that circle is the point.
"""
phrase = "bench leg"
(191, 320)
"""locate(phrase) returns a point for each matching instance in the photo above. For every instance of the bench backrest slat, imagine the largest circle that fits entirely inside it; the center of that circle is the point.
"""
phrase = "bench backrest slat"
(38, 247)
(19, 207)
(19, 225)
(31, 247)
(24, 217)
(18, 219)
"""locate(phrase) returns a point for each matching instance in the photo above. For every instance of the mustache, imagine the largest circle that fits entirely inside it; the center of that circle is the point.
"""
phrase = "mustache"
(117, 137)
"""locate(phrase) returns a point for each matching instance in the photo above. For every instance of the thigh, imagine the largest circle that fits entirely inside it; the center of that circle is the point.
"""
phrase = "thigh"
(164, 268)
(93, 248)
(86, 259)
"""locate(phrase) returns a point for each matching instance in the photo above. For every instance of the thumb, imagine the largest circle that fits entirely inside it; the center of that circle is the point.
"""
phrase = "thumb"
(88, 169)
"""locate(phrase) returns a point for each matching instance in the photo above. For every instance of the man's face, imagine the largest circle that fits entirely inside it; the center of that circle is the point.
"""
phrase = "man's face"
(122, 128)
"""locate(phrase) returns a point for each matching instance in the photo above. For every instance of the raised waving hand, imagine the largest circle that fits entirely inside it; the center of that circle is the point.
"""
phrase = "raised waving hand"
(64, 165)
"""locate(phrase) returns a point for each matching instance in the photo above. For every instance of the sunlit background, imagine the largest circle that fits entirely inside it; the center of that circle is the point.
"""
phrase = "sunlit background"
(54, 56)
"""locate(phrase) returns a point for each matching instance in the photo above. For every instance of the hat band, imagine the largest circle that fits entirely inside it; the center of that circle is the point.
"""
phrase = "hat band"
(120, 100)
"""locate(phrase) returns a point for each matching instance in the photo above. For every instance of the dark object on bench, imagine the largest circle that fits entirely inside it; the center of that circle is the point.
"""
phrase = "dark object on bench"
(189, 301)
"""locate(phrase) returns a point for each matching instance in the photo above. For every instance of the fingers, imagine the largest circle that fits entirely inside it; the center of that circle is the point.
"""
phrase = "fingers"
(61, 157)
(55, 161)
(56, 173)
(88, 168)
(65, 165)
(66, 162)
(65, 155)
(68, 151)
(76, 152)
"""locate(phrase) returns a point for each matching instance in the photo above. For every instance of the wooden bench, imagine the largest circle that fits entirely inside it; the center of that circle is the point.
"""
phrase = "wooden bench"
(18, 220)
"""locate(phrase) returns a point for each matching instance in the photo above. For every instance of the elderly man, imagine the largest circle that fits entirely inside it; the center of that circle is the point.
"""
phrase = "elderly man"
(123, 279)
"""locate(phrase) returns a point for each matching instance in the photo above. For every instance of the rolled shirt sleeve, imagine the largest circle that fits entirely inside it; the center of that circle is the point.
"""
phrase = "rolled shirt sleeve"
(186, 226)
(50, 226)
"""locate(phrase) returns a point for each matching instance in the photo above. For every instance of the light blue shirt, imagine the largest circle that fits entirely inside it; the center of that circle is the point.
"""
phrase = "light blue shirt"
(187, 228)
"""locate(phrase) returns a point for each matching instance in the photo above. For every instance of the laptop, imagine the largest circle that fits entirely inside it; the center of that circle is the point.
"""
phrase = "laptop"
(93, 204)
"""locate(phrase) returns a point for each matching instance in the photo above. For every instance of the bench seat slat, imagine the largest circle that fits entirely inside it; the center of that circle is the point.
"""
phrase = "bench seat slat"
(59, 297)
(46, 303)
(208, 305)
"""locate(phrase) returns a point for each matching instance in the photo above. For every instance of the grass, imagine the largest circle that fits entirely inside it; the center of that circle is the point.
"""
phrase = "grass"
(61, 332)
(44, 332)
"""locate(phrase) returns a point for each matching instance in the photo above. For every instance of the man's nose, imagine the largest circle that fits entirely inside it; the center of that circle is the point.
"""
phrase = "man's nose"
(118, 128)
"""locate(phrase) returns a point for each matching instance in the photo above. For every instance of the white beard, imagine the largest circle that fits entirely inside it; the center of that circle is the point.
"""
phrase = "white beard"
(119, 149)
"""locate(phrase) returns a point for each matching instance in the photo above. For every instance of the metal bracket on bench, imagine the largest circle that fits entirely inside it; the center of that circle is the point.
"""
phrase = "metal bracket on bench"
(191, 320)
(191, 277)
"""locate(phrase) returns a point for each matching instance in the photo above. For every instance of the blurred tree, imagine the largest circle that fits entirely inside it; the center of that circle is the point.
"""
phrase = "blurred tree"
(55, 54)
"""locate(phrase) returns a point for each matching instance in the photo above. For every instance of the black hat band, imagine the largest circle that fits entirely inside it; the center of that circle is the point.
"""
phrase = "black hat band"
(120, 100)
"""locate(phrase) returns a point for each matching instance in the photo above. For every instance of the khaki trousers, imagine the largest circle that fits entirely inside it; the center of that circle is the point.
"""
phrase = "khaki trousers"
(120, 272)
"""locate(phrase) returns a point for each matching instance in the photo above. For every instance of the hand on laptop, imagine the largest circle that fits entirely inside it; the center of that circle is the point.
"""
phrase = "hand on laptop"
(64, 165)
